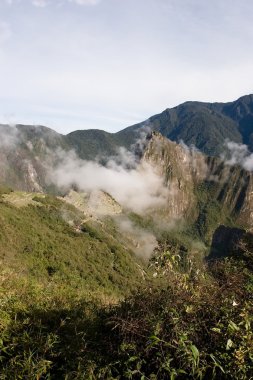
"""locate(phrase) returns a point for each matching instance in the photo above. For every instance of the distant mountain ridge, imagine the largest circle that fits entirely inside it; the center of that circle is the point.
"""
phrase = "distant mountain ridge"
(204, 125)
(24, 149)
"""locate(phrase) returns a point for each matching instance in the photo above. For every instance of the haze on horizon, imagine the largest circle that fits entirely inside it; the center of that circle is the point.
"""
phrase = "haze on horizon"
(107, 64)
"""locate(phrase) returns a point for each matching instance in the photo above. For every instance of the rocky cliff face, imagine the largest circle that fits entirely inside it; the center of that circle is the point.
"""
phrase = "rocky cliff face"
(233, 188)
(21, 171)
(185, 170)
(180, 167)
(25, 153)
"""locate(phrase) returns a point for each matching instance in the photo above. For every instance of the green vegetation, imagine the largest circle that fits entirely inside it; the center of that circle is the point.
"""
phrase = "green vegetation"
(211, 212)
(5, 190)
(92, 143)
(40, 240)
(194, 326)
(187, 323)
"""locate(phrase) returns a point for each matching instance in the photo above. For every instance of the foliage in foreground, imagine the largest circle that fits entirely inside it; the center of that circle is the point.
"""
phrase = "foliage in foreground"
(188, 324)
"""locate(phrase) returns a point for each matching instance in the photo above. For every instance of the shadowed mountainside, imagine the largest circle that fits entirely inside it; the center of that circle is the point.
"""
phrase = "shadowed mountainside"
(205, 125)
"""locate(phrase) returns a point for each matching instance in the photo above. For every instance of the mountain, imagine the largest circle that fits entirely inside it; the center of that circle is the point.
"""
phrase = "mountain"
(202, 187)
(81, 298)
(92, 143)
(24, 151)
(76, 303)
(204, 125)
(203, 190)
(29, 152)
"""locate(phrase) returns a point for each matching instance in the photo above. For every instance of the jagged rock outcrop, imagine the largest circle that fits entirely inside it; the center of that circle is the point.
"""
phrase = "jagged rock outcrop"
(25, 154)
(180, 167)
(185, 169)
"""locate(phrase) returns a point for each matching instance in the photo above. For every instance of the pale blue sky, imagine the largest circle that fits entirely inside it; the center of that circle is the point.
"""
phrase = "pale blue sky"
(107, 64)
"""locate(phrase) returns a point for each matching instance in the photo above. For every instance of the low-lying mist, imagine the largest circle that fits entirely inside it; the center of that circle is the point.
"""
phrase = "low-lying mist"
(143, 242)
(9, 136)
(134, 185)
(238, 154)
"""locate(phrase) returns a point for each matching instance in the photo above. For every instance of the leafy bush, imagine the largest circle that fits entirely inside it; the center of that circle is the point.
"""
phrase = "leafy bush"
(193, 327)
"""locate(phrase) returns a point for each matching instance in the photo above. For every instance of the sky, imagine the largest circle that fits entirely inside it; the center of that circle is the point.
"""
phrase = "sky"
(108, 64)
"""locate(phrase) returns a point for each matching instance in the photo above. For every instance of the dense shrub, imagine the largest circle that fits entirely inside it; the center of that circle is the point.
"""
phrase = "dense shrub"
(186, 324)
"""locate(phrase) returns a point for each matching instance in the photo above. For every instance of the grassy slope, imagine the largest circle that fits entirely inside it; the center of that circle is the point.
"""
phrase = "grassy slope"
(39, 243)
(52, 281)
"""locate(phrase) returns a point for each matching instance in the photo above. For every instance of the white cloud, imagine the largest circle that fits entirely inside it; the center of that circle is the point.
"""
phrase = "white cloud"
(139, 189)
(145, 242)
(8, 136)
(238, 154)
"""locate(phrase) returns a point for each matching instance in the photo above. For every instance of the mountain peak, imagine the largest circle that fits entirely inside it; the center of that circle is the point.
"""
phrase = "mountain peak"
(246, 98)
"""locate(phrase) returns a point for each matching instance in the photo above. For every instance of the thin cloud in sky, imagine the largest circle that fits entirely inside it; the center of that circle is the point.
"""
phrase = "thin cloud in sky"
(44, 3)
(5, 31)
(40, 3)
(101, 62)
(85, 2)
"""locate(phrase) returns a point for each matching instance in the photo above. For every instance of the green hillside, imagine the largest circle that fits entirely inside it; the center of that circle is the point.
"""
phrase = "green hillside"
(91, 143)
(76, 303)
(37, 242)
(188, 321)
